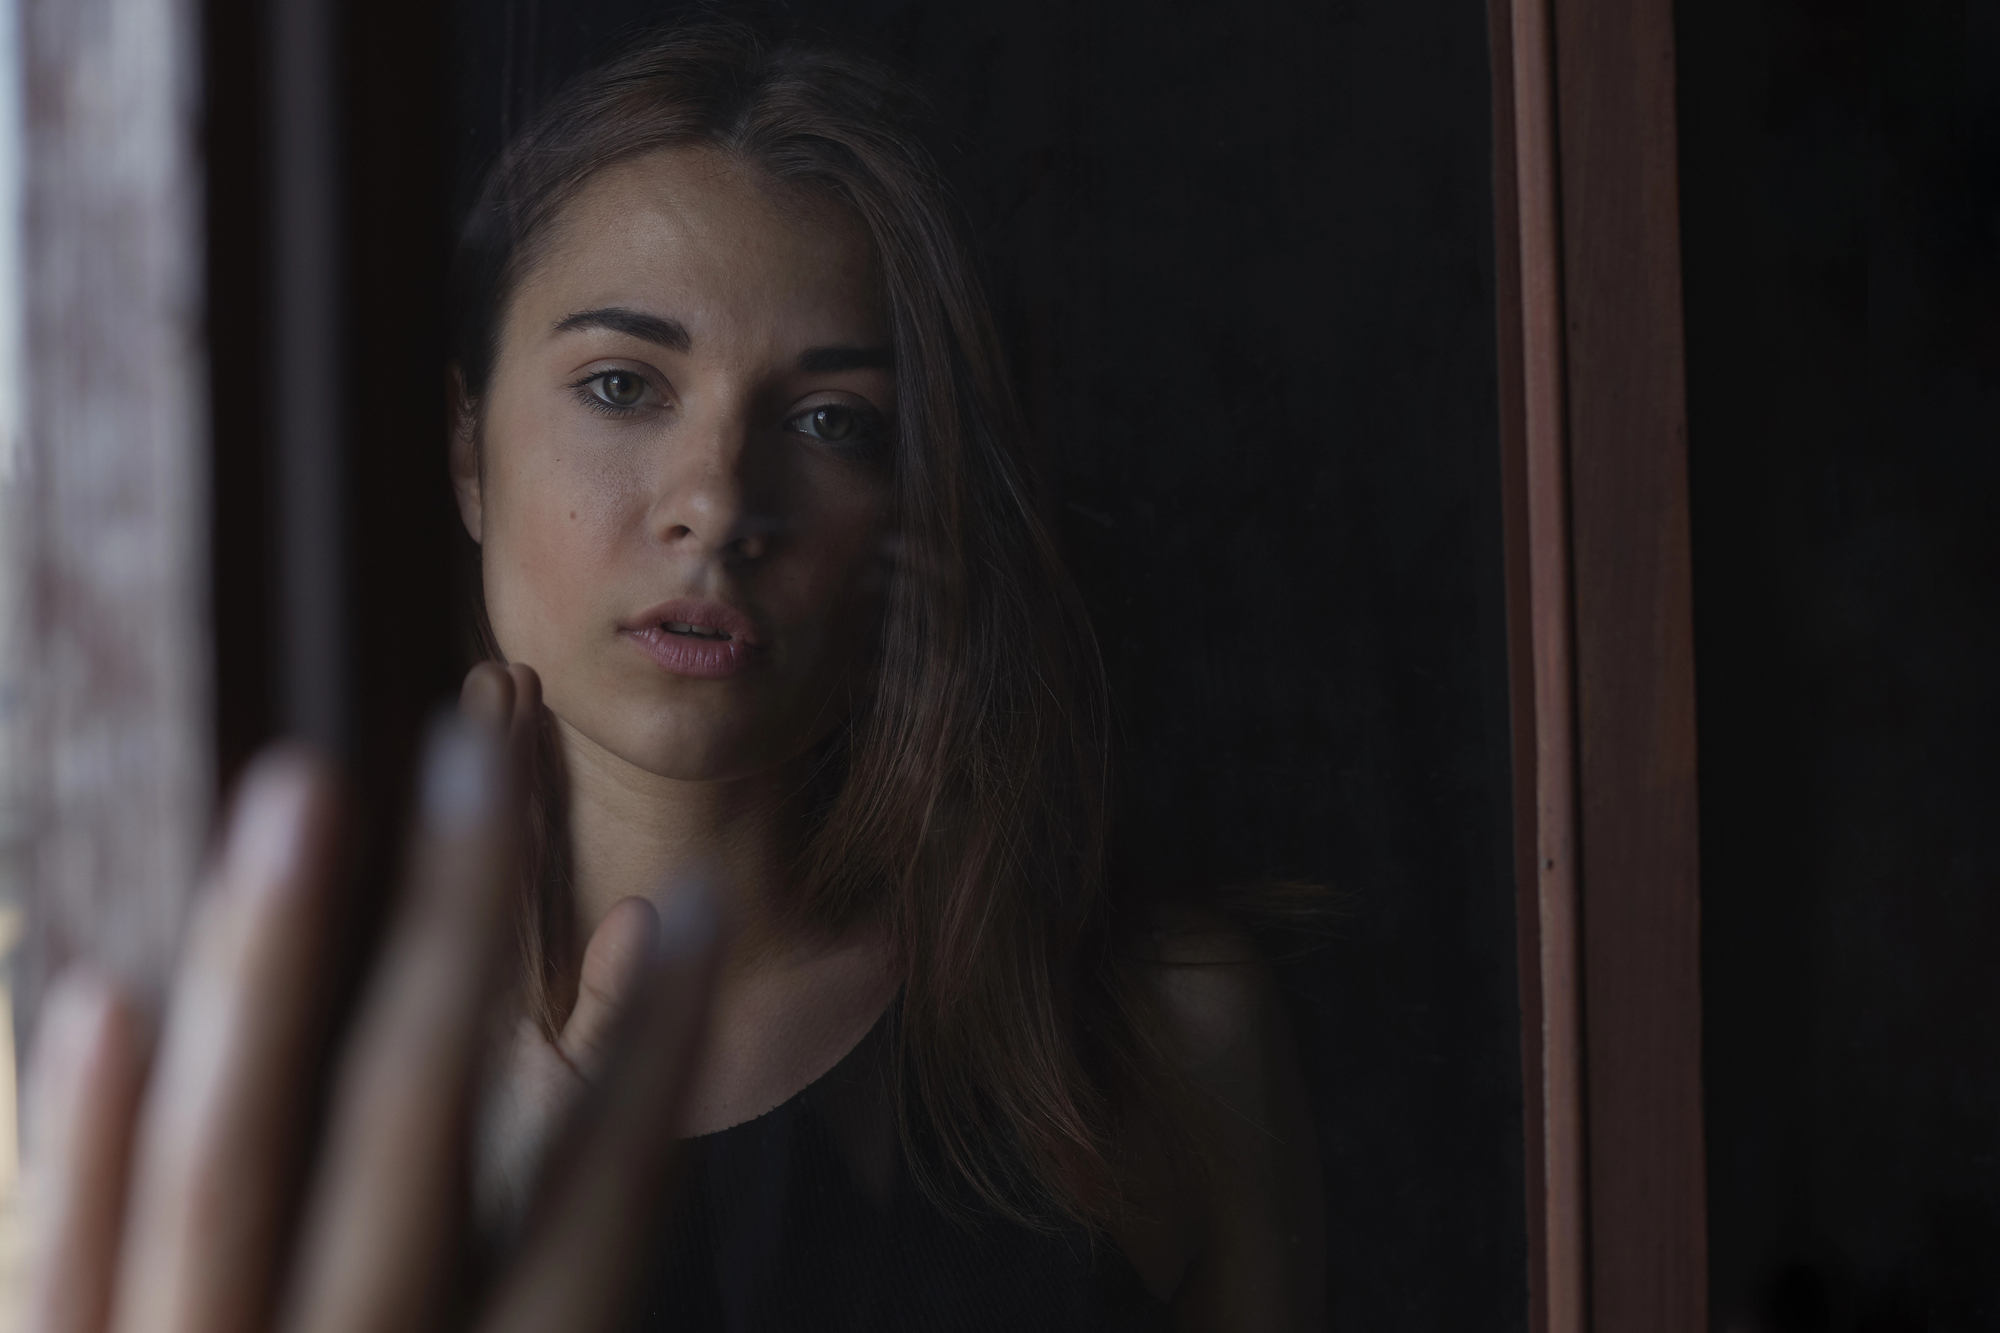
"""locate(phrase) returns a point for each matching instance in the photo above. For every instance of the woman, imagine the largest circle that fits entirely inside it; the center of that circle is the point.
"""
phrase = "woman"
(736, 442)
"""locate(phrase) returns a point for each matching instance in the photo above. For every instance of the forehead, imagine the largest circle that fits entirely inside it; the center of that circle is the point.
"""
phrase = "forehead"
(708, 240)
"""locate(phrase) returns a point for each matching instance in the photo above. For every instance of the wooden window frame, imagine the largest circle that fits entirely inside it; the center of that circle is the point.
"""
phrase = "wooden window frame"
(1601, 646)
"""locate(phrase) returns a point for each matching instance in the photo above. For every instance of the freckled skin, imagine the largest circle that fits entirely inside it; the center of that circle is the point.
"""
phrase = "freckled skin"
(587, 520)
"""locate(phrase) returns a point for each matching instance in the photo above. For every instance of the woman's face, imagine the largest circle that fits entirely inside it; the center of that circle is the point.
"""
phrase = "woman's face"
(680, 487)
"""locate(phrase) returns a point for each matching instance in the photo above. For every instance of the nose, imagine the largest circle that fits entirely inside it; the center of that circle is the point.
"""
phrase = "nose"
(704, 500)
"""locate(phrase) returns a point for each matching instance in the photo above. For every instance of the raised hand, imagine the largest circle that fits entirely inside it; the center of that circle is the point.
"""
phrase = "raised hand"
(185, 1199)
(536, 1082)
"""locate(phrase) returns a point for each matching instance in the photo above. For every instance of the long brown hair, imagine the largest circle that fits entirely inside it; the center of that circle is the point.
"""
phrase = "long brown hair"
(967, 795)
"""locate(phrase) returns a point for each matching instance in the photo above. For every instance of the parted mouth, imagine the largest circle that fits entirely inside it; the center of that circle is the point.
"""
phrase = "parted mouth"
(696, 619)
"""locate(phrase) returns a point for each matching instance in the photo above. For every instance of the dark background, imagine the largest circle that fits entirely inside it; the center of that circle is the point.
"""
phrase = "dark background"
(1841, 214)
(1244, 256)
(1244, 259)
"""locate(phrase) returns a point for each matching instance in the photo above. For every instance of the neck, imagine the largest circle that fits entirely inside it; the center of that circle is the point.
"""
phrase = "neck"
(788, 1003)
(636, 834)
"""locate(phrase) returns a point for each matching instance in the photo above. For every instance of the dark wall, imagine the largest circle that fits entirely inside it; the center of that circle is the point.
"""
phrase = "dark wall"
(1841, 187)
(1244, 255)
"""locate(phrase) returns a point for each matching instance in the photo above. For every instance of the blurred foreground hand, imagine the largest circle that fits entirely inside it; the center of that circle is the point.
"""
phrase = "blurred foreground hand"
(171, 1192)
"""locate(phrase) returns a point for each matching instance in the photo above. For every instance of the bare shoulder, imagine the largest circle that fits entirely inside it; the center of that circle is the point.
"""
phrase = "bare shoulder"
(1260, 1258)
(1216, 997)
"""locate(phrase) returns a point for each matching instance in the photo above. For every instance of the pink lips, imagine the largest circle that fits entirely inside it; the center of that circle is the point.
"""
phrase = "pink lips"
(693, 637)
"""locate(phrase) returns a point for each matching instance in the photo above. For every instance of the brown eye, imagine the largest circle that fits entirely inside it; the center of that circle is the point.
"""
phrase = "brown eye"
(620, 388)
(852, 429)
(834, 424)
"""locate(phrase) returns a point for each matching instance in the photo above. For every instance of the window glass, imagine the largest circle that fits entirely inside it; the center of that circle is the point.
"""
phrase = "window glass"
(1241, 267)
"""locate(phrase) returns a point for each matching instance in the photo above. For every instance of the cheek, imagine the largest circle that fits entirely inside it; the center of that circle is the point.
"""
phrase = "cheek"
(842, 567)
(551, 536)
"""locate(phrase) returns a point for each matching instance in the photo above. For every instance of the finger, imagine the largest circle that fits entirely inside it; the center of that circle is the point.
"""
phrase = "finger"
(523, 1101)
(501, 694)
(380, 1250)
(527, 701)
(84, 1084)
(220, 1132)
(487, 696)
(613, 966)
(506, 697)
(591, 1235)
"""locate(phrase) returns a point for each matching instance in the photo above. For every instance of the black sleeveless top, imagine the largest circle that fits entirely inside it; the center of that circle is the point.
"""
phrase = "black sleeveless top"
(808, 1218)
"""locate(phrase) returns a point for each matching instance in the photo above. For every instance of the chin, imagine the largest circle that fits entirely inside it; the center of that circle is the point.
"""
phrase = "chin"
(669, 743)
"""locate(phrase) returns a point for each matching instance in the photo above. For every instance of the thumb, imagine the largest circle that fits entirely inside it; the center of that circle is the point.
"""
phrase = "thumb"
(613, 964)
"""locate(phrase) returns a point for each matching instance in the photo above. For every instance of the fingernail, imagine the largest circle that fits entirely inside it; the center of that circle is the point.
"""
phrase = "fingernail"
(76, 1017)
(484, 694)
(689, 922)
(267, 832)
(461, 774)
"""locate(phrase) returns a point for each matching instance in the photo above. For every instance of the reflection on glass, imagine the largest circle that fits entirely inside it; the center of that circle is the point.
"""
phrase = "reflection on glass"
(735, 436)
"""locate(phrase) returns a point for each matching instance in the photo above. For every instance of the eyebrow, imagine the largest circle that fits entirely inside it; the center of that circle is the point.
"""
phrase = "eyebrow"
(668, 333)
(673, 335)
